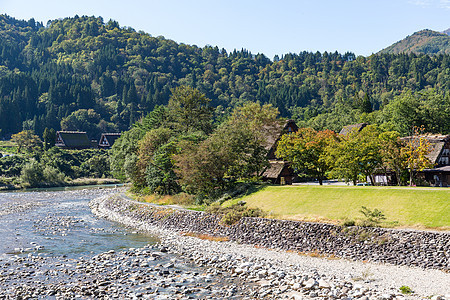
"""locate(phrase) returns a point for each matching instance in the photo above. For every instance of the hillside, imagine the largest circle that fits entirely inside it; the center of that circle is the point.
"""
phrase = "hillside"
(422, 42)
(83, 73)
(447, 31)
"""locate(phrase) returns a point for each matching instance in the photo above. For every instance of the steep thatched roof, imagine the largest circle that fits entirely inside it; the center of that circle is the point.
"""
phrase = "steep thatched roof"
(437, 143)
(108, 139)
(72, 139)
(273, 133)
(354, 127)
(273, 171)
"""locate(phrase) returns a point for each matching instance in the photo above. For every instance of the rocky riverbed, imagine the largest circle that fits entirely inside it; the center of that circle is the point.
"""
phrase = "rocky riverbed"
(278, 274)
(149, 272)
(54, 248)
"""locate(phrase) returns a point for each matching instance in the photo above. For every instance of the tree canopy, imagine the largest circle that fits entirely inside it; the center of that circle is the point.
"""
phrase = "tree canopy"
(91, 74)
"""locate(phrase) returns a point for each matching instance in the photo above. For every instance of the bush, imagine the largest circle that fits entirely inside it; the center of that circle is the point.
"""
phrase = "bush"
(373, 217)
(232, 214)
(52, 176)
(348, 223)
(404, 289)
(32, 174)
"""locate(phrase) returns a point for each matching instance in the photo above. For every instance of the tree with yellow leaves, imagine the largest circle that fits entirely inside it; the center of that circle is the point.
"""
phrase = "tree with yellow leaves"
(416, 149)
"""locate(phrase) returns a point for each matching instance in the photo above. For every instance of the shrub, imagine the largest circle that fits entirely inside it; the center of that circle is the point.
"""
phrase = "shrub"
(232, 214)
(53, 176)
(32, 174)
(373, 217)
(348, 223)
(404, 289)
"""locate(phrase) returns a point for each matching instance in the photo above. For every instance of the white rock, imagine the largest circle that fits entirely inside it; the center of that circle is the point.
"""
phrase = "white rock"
(310, 283)
(323, 284)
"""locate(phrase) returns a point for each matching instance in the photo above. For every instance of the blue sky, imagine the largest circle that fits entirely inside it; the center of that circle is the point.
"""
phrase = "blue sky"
(270, 27)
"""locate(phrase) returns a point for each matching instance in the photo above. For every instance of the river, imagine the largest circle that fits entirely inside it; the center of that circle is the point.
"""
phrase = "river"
(53, 222)
(53, 247)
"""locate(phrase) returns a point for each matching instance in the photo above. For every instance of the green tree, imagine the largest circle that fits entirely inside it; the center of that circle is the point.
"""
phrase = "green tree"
(26, 140)
(32, 174)
(124, 154)
(148, 146)
(235, 151)
(49, 137)
(357, 153)
(392, 156)
(160, 174)
(189, 110)
(82, 120)
(306, 150)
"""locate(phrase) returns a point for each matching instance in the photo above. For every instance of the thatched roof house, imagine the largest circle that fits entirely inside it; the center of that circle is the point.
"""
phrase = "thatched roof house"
(278, 171)
(439, 156)
(440, 148)
(107, 140)
(72, 140)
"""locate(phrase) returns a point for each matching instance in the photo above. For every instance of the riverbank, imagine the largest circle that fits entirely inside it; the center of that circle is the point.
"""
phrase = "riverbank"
(279, 273)
(73, 183)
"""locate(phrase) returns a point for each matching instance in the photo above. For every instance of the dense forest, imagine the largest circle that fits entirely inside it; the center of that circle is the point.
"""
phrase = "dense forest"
(83, 73)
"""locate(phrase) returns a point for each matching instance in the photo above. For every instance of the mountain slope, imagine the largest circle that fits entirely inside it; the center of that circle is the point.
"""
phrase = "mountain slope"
(422, 42)
(83, 73)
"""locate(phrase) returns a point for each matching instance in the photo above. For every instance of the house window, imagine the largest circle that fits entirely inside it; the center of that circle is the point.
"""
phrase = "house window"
(443, 161)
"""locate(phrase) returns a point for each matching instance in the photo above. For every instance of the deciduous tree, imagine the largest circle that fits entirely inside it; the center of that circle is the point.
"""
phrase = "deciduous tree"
(358, 153)
(26, 140)
(306, 150)
(416, 149)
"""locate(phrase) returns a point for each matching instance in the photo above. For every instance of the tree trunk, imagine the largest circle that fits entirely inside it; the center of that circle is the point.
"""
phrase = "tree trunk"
(320, 180)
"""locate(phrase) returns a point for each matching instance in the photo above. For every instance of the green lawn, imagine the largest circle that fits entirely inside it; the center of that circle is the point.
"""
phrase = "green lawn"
(411, 207)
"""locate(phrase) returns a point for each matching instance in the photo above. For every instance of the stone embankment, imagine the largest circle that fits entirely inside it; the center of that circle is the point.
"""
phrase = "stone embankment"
(285, 274)
(398, 247)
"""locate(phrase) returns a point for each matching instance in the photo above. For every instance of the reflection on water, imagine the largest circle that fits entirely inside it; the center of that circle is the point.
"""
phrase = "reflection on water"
(60, 223)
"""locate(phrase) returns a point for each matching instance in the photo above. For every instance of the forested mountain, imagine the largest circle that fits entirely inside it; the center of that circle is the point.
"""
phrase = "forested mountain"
(422, 42)
(83, 73)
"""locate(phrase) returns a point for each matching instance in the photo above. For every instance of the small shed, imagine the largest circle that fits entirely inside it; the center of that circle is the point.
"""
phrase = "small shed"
(279, 172)
(107, 140)
(72, 140)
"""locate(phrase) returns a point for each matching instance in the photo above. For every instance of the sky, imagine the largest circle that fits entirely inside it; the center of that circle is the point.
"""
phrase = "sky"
(269, 27)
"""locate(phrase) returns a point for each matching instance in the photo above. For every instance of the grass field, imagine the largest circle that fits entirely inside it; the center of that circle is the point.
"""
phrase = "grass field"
(410, 207)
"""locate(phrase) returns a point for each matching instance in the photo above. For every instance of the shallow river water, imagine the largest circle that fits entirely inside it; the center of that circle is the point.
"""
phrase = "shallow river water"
(53, 247)
(60, 223)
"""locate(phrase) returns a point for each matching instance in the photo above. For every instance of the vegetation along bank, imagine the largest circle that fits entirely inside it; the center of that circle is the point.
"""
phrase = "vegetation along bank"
(397, 247)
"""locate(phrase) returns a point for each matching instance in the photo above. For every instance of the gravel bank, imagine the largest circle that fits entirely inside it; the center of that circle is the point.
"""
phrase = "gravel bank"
(281, 274)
